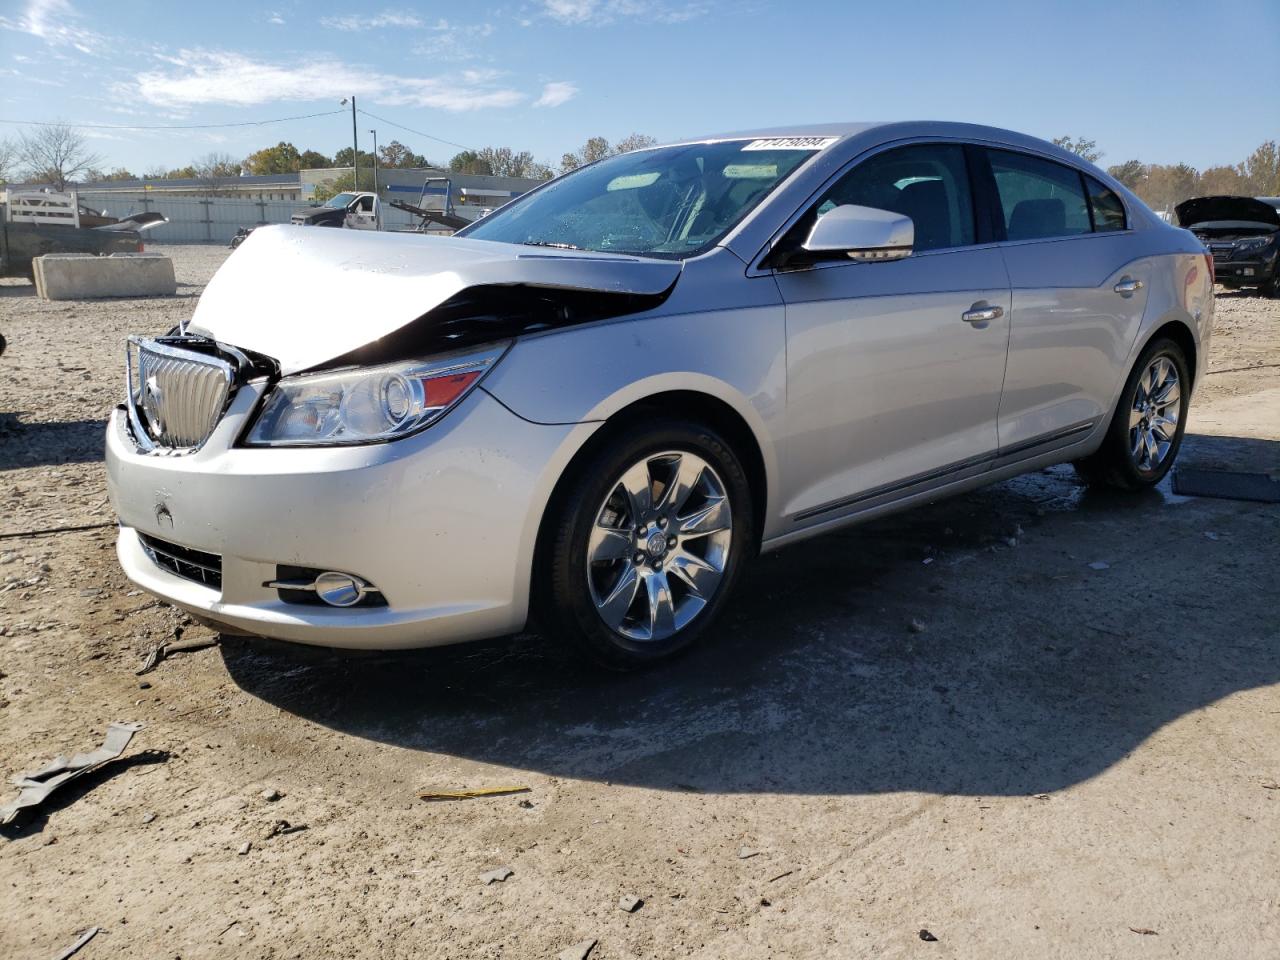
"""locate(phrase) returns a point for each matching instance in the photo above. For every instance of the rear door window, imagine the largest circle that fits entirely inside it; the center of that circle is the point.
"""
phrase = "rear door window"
(1108, 211)
(1039, 198)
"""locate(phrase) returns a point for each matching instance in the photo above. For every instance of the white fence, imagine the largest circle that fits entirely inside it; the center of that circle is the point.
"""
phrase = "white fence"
(213, 219)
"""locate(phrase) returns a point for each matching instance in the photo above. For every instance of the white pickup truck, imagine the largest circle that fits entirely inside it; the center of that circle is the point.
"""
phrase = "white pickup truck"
(355, 211)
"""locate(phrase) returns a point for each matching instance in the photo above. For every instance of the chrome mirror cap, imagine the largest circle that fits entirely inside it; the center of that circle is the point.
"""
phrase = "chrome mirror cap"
(862, 233)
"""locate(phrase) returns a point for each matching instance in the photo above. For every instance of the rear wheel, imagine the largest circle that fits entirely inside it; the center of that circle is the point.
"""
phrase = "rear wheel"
(1146, 431)
(647, 542)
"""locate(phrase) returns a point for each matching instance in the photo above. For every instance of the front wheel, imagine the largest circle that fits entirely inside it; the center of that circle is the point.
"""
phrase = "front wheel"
(1146, 431)
(647, 542)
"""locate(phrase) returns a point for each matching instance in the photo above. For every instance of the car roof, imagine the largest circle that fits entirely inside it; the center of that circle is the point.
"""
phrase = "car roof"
(870, 131)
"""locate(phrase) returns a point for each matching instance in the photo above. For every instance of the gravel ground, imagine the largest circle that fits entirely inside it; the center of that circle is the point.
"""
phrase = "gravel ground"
(947, 720)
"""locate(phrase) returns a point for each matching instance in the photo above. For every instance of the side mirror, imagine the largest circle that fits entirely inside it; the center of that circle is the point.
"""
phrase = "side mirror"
(862, 233)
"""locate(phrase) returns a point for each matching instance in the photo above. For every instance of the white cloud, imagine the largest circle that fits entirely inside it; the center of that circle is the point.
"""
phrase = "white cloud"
(54, 22)
(388, 18)
(202, 77)
(606, 11)
(556, 93)
(276, 19)
(453, 43)
(571, 11)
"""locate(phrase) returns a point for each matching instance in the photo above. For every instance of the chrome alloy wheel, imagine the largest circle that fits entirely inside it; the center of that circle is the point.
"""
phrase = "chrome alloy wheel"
(659, 545)
(1153, 420)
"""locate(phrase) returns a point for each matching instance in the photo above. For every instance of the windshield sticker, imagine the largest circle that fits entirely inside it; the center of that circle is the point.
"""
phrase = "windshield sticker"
(791, 143)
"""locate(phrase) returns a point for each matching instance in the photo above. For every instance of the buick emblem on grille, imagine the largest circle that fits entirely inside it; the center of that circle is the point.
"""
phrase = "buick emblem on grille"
(176, 396)
(152, 404)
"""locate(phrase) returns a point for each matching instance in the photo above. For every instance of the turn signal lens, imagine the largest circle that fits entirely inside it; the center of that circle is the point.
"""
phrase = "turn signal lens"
(442, 391)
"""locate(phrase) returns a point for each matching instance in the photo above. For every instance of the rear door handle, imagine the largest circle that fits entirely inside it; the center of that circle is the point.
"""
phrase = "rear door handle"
(979, 314)
(1128, 286)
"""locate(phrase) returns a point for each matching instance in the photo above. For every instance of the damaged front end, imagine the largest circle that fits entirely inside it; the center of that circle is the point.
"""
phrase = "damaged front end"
(362, 338)
(317, 299)
(178, 387)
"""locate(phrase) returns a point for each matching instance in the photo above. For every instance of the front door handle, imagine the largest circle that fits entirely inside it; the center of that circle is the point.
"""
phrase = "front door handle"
(1128, 286)
(980, 314)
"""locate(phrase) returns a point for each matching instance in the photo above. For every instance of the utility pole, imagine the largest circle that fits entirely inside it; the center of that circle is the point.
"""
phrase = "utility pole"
(355, 148)
(375, 161)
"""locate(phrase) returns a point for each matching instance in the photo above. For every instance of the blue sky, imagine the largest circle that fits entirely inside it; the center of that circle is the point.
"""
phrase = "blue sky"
(1159, 80)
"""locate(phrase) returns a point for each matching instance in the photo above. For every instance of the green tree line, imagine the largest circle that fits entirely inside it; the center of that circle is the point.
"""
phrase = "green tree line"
(58, 154)
(1162, 186)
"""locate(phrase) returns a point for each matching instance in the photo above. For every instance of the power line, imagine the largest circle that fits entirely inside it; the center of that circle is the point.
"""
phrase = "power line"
(175, 126)
(419, 133)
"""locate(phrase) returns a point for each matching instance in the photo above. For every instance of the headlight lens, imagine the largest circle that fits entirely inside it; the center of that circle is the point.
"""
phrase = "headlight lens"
(1252, 243)
(369, 404)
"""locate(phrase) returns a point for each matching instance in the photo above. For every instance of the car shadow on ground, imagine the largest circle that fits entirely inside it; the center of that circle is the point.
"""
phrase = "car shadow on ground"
(1026, 670)
(25, 443)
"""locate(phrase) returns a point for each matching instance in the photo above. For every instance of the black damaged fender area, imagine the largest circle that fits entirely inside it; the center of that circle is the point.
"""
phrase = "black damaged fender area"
(486, 314)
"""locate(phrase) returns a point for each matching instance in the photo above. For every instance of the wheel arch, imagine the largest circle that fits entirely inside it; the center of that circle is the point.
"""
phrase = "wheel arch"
(1181, 334)
(684, 404)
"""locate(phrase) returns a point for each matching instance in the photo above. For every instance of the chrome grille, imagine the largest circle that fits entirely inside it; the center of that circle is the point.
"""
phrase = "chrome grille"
(176, 396)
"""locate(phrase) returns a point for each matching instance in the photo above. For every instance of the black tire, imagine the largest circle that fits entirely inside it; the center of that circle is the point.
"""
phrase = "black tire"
(565, 605)
(1114, 464)
(1271, 288)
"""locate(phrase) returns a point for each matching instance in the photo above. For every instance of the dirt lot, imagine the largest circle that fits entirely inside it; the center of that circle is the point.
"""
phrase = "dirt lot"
(1056, 760)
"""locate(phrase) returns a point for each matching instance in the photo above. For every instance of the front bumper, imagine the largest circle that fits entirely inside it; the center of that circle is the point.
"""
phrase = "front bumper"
(442, 523)
(1245, 272)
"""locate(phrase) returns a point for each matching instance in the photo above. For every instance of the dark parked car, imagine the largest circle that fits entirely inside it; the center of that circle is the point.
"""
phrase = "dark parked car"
(1243, 234)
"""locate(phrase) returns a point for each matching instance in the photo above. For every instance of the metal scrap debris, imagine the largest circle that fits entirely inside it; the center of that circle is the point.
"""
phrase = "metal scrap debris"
(166, 650)
(438, 795)
(35, 787)
(75, 947)
(578, 951)
(496, 876)
(629, 904)
(928, 937)
(746, 853)
(1144, 931)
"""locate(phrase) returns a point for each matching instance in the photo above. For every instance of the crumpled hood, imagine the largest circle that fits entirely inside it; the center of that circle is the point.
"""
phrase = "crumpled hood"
(304, 295)
(1211, 209)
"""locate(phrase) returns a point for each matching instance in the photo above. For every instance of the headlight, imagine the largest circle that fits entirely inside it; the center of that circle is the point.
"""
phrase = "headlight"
(368, 404)
(1252, 243)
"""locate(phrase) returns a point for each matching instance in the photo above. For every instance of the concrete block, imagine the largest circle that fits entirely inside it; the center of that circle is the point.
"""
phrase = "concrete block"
(73, 276)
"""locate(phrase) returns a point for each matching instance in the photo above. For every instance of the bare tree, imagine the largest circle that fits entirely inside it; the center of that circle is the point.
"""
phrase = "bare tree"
(56, 155)
(636, 141)
(216, 171)
(1084, 149)
(8, 158)
(597, 148)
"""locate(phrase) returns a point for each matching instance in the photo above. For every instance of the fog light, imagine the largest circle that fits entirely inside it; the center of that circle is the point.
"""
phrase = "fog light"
(340, 589)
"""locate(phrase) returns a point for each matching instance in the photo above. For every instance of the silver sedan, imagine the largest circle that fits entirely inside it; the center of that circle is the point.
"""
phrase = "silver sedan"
(598, 403)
